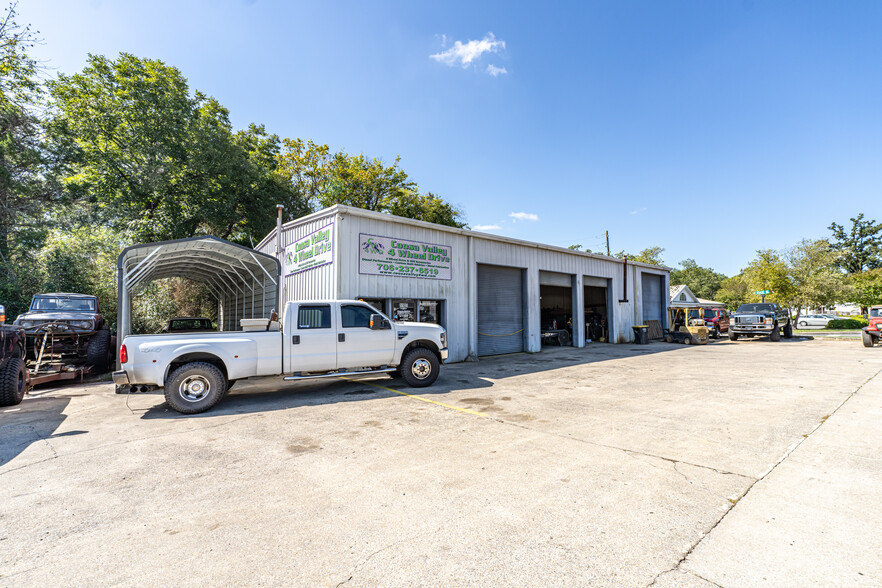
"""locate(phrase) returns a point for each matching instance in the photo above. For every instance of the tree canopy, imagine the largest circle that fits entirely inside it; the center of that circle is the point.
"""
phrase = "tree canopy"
(859, 246)
(703, 281)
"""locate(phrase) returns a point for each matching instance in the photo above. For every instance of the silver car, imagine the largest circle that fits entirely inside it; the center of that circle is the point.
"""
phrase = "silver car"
(813, 320)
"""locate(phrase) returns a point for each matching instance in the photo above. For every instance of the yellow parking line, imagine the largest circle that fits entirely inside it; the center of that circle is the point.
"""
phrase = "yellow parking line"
(466, 410)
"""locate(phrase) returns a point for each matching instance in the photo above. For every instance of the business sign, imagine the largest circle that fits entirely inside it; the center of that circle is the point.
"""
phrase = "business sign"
(312, 251)
(386, 256)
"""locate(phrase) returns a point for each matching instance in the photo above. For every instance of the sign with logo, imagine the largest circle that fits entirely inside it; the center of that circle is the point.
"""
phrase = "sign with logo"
(314, 250)
(386, 256)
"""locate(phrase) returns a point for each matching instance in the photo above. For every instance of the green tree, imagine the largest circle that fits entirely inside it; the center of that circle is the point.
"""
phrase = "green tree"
(703, 281)
(768, 271)
(155, 161)
(735, 291)
(651, 255)
(865, 289)
(860, 246)
(322, 179)
(813, 274)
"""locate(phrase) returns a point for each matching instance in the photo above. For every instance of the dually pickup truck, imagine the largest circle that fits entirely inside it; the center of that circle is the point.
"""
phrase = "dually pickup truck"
(763, 318)
(316, 339)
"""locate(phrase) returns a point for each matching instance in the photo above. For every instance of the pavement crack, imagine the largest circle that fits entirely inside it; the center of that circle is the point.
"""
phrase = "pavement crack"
(779, 461)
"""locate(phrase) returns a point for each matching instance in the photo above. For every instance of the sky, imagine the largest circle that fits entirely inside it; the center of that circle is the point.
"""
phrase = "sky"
(710, 128)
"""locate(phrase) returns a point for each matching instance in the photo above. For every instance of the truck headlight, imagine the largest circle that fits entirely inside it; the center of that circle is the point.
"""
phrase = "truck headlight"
(26, 324)
(81, 324)
(443, 339)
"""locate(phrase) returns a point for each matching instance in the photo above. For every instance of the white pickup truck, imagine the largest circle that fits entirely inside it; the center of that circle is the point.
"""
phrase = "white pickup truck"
(316, 339)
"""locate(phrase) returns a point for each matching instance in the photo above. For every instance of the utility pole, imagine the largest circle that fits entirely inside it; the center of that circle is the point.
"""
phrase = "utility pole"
(607, 243)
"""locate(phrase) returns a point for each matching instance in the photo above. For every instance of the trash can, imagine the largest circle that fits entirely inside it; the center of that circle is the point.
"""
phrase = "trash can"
(641, 334)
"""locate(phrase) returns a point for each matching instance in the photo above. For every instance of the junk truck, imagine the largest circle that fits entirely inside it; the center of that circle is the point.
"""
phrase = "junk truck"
(314, 340)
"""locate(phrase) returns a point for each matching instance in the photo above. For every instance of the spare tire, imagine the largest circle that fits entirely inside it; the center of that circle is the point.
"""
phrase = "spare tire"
(13, 382)
(98, 352)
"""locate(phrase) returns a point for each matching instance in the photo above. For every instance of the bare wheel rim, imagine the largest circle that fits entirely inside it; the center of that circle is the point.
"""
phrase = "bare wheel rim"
(194, 388)
(421, 369)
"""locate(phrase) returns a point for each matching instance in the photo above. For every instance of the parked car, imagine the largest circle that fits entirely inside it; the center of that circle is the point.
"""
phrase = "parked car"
(318, 339)
(871, 333)
(77, 329)
(760, 318)
(814, 320)
(189, 325)
(13, 373)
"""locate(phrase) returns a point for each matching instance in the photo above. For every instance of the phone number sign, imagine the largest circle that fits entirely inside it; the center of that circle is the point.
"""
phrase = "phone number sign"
(388, 256)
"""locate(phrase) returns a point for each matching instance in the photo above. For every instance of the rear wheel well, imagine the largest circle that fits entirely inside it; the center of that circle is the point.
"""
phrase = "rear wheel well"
(190, 358)
(425, 345)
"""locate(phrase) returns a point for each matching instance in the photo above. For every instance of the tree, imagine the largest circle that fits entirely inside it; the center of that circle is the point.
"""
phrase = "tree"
(155, 161)
(768, 271)
(703, 281)
(735, 291)
(650, 255)
(860, 247)
(322, 179)
(813, 274)
(865, 288)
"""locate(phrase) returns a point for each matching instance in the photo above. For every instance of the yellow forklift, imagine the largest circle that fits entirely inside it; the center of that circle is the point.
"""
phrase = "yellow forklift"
(686, 325)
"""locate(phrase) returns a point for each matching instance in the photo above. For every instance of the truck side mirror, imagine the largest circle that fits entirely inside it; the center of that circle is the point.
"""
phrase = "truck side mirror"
(378, 322)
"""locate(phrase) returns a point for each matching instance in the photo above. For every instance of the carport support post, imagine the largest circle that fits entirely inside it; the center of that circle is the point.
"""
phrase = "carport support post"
(579, 310)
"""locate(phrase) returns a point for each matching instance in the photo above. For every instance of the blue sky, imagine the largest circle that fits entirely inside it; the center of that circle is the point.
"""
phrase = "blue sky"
(710, 128)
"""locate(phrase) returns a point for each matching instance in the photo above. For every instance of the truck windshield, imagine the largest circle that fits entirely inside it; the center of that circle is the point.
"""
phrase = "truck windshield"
(756, 308)
(876, 312)
(64, 303)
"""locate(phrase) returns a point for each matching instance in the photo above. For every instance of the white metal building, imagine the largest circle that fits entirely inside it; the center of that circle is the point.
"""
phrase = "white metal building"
(493, 294)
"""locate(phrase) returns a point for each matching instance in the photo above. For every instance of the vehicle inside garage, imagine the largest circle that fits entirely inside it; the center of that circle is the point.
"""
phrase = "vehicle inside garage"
(556, 315)
(597, 327)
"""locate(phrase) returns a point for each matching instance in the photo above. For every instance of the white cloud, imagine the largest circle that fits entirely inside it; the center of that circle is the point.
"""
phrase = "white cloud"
(487, 227)
(523, 216)
(496, 71)
(465, 53)
(638, 211)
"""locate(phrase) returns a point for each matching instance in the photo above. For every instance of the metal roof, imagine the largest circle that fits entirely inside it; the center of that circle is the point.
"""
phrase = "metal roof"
(219, 264)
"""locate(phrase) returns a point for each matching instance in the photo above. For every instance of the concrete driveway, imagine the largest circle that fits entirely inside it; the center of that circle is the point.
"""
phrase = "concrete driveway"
(732, 464)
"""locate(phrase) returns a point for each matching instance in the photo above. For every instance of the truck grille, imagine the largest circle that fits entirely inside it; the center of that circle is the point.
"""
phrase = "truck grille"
(748, 320)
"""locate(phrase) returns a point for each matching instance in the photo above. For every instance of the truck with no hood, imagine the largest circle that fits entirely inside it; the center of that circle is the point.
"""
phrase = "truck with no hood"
(760, 318)
(315, 339)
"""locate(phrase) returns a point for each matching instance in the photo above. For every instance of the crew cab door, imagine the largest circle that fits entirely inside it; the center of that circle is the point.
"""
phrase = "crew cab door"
(313, 339)
(357, 344)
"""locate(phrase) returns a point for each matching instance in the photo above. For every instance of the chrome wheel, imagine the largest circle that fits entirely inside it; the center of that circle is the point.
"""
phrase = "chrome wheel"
(421, 369)
(194, 388)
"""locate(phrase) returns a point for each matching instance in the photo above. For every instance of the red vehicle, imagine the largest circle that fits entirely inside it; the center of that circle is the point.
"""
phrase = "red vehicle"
(717, 321)
(871, 333)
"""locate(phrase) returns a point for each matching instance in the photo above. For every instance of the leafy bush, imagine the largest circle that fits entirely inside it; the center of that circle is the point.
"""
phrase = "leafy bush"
(850, 323)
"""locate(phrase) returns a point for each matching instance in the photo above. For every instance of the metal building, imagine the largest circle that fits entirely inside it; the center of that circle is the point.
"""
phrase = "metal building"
(493, 294)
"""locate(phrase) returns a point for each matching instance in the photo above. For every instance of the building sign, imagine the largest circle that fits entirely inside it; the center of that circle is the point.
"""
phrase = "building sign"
(311, 251)
(385, 256)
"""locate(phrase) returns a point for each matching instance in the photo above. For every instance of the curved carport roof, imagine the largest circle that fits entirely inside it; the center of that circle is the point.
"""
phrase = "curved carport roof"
(245, 282)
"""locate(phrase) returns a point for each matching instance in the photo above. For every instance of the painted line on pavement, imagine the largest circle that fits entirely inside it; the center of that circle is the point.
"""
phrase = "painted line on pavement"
(450, 406)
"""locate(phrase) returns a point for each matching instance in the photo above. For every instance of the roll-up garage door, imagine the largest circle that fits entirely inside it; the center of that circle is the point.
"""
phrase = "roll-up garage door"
(500, 310)
(652, 300)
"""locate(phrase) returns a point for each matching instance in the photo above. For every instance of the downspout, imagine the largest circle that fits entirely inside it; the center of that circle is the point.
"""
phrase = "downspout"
(624, 280)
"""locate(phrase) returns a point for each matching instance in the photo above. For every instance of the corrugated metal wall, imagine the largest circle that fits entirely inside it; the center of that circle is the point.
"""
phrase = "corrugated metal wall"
(342, 279)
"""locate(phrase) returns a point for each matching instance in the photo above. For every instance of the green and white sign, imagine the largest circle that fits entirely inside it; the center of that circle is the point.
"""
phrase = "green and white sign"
(311, 251)
(388, 256)
(763, 291)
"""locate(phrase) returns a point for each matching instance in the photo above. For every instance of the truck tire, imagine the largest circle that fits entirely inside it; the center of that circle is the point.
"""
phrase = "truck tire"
(788, 330)
(420, 368)
(195, 387)
(98, 352)
(733, 336)
(13, 382)
(775, 335)
(867, 339)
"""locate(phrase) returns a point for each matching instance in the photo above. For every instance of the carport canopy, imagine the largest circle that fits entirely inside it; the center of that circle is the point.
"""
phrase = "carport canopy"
(244, 282)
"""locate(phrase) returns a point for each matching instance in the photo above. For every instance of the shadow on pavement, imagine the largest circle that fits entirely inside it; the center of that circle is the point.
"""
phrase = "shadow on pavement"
(36, 419)
(273, 393)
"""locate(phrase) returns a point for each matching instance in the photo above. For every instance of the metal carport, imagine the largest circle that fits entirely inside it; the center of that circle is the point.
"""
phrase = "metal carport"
(245, 282)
